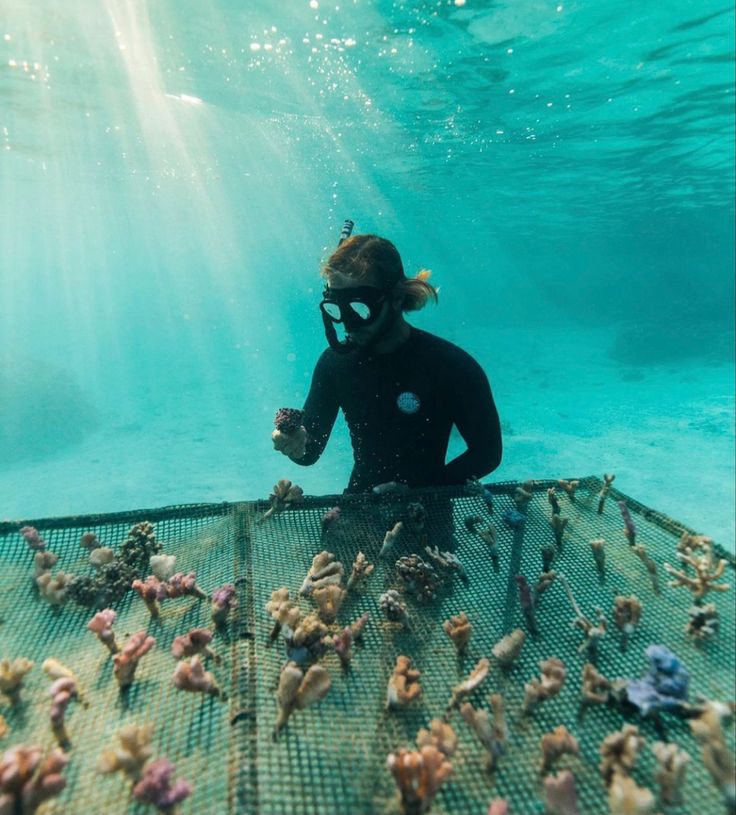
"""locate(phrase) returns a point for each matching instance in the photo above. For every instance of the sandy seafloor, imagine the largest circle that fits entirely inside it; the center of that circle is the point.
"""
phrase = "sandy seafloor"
(567, 408)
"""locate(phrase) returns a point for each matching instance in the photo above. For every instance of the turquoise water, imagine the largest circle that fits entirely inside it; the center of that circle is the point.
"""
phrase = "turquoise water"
(170, 180)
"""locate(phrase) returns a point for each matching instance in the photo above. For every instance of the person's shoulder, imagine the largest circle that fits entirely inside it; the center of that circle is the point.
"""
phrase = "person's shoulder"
(446, 349)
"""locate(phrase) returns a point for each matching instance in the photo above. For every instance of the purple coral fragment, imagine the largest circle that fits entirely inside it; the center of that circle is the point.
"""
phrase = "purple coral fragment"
(31, 536)
(155, 787)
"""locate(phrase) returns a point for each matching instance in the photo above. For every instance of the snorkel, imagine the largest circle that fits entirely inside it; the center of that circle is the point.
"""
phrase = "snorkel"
(347, 345)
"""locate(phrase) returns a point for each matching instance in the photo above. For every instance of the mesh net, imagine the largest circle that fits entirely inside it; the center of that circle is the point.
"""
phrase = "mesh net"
(330, 758)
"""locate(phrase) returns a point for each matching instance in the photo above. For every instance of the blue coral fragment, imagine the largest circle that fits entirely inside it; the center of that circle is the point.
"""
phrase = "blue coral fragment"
(664, 687)
(514, 518)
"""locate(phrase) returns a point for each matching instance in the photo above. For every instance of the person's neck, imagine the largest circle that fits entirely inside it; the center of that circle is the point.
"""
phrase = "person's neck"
(394, 338)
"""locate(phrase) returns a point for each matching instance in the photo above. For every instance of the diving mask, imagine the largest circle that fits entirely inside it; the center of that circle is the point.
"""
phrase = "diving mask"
(354, 307)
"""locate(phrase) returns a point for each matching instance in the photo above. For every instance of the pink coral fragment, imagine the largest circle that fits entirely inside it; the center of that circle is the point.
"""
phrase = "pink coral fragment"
(101, 624)
(126, 661)
(156, 786)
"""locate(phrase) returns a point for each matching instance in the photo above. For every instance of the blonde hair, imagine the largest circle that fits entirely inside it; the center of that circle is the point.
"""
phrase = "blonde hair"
(365, 257)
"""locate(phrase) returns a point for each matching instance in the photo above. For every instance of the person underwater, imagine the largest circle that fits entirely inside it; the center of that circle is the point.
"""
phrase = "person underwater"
(401, 389)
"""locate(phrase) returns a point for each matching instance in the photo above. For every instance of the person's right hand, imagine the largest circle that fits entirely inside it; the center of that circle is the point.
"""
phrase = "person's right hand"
(291, 444)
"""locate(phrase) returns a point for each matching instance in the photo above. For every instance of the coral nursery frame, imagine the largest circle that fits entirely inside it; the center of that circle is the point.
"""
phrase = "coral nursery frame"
(330, 759)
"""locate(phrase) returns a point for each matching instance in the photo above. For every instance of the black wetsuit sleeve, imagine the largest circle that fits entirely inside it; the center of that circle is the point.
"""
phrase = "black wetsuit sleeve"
(320, 410)
(476, 417)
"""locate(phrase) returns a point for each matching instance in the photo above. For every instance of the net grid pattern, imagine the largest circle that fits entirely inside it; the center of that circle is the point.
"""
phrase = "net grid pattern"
(330, 758)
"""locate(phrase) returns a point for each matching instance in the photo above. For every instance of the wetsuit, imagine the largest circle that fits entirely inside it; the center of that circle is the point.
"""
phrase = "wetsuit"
(400, 408)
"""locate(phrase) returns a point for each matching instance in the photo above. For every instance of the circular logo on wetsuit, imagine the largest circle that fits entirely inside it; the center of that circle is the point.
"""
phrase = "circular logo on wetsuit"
(408, 402)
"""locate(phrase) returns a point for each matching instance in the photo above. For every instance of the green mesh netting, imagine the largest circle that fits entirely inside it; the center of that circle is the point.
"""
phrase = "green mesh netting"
(330, 758)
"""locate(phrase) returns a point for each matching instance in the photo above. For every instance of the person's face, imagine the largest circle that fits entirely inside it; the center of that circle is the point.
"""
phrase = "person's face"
(363, 336)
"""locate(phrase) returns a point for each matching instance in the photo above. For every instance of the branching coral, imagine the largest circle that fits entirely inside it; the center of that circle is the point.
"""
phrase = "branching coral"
(356, 628)
(703, 622)
(459, 630)
(619, 752)
(54, 587)
(629, 528)
(162, 566)
(132, 754)
(597, 547)
(560, 795)
(523, 494)
(607, 482)
(391, 605)
(552, 501)
(342, 644)
(307, 640)
(101, 625)
(361, 571)
(27, 779)
(284, 612)
(548, 685)
(555, 744)
(419, 775)
(190, 675)
(467, 686)
(298, 690)
(328, 600)
(156, 786)
(492, 734)
(593, 632)
(403, 686)
(718, 759)
(329, 518)
(126, 660)
(559, 525)
(223, 601)
(671, 766)
(195, 641)
(184, 585)
(32, 537)
(488, 535)
(447, 562)
(706, 572)
(284, 496)
(596, 689)
(415, 516)
(55, 669)
(62, 691)
(526, 601)
(693, 543)
(324, 571)
(625, 797)
(418, 577)
(391, 538)
(626, 615)
(43, 562)
(570, 488)
(12, 675)
(508, 648)
(548, 553)
(440, 735)
(89, 541)
(151, 590)
(649, 565)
